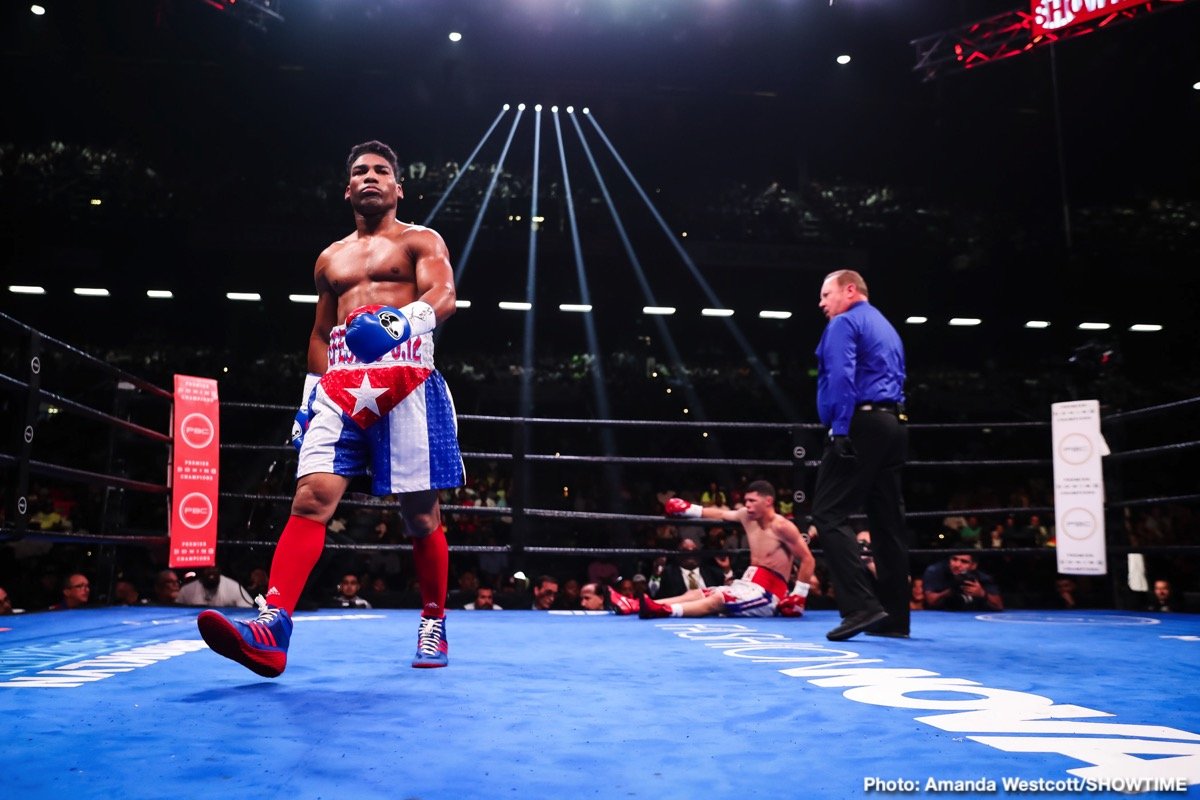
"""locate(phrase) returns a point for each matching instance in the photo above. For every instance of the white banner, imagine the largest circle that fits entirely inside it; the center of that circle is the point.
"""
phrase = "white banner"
(1079, 487)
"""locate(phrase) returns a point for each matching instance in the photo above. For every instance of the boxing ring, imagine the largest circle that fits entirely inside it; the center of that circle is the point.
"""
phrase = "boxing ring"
(127, 701)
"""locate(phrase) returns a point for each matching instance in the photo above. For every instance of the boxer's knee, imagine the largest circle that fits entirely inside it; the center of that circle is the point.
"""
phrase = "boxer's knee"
(421, 513)
(317, 496)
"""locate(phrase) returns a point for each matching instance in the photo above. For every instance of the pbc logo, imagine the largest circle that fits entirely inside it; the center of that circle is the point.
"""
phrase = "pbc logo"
(393, 324)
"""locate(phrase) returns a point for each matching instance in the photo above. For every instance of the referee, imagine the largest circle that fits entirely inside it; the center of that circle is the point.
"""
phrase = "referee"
(860, 396)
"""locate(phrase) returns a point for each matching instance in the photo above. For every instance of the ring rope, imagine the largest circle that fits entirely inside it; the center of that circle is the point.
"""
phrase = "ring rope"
(712, 462)
(1120, 416)
(89, 538)
(140, 383)
(8, 382)
(1150, 501)
(1151, 451)
(86, 476)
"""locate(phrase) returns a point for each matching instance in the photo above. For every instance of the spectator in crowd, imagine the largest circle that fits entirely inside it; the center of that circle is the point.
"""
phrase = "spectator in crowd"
(1066, 592)
(688, 573)
(347, 593)
(468, 583)
(166, 588)
(956, 584)
(125, 593)
(599, 597)
(865, 554)
(76, 591)
(258, 582)
(545, 592)
(211, 588)
(916, 601)
(485, 600)
(568, 595)
(6, 606)
(1162, 598)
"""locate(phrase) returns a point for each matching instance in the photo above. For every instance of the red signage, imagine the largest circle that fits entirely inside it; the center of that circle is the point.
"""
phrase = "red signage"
(194, 472)
(1054, 15)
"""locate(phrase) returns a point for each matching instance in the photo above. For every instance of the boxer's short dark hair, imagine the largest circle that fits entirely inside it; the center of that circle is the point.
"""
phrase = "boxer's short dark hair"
(762, 488)
(376, 148)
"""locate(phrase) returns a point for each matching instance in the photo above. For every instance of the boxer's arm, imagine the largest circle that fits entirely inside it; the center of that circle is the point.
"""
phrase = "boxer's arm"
(326, 318)
(799, 549)
(434, 275)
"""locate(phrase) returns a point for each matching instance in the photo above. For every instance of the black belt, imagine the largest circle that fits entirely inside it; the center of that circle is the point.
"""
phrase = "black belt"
(886, 405)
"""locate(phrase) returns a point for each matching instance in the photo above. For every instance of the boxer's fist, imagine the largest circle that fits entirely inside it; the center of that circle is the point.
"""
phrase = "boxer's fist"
(678, 507)
(299, 428)
(621, 605)
(300, 423)
(372, 331)
(791, 606)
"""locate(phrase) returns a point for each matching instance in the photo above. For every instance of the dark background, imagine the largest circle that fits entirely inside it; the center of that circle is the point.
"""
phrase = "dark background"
(224, 147)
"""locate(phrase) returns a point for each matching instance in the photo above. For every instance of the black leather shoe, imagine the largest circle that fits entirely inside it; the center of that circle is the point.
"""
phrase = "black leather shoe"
(889, 634)
(855, 624)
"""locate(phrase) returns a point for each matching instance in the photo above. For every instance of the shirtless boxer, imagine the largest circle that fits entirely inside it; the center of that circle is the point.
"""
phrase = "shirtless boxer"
(373, 404)
(762, 591)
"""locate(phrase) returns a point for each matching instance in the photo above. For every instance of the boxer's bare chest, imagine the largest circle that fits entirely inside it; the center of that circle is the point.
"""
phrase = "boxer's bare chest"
(377, 259)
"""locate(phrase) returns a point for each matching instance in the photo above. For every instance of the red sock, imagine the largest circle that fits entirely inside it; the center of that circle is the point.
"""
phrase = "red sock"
(431, 556)
(300, 546)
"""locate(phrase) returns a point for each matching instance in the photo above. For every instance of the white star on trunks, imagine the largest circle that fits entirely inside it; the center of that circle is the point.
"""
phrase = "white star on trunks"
(364, 396)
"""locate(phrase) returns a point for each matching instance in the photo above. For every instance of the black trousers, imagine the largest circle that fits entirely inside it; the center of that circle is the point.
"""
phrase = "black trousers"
(869, 481)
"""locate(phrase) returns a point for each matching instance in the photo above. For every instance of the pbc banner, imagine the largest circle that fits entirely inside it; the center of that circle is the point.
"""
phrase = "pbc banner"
(1079, 487)
(1054, 15)
(194, 472)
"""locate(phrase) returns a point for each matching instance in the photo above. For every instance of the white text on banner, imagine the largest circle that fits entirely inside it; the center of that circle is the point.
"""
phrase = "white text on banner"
(1079, 487)
(195, 477)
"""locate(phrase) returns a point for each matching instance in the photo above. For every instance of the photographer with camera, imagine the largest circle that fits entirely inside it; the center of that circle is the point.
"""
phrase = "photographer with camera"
(957, 585)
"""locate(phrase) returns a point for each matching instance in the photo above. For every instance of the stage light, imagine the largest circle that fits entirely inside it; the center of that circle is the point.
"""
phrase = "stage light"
(508, 305)
(455, 36)
(95, 201)
(160, 294)
(843, 59)
(250, 296)
(965, 322)
(37, 11)
(538, 107)
(26, 290)
(683, 235)
(774, 315)
(87, 292)
(587, 111)
(917, 320)
(1094, 326)
(662, 311)
(507, 106)
(303, 298)
(1037, 323)
(716, 312)
(581, 308)
(520, 106)
(1196, 86)
(553, 109)
(462, 303)
(1142, 327)
(570, 109)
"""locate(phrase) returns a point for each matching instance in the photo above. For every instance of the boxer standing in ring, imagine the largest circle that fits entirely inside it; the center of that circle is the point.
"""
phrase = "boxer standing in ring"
(373, 404)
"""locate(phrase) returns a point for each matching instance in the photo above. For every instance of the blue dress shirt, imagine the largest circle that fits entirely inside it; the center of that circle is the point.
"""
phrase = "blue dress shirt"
(860, 359)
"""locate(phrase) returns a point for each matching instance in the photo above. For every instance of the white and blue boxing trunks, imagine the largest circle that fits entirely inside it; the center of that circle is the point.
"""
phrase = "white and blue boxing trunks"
(392, 419)
(755, 594)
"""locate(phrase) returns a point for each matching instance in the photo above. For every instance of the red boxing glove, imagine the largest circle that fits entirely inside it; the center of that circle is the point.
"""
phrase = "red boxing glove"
(678, 507)
(791, 606)
(622, 605)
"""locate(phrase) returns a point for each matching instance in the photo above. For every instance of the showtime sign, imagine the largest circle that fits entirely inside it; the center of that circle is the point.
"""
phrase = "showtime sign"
(1054, 15)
